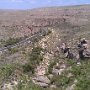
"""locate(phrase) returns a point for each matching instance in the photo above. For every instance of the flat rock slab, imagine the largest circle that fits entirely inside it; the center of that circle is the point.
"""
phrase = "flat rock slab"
(42, 79)
(41, 84)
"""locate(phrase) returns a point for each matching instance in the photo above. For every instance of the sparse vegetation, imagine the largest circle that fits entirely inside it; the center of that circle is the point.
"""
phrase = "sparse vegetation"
(6, 71)
(28, 68)
(13, 50)
(51, 67)
(29, 86)
(74, 24)
(61, 81)
(82, 73)
(34, 60)
(45, 33)
(49, 31)
(12, 41)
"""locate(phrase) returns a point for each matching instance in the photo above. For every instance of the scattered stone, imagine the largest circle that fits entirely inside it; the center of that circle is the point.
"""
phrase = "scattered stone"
(69, 75)
(50, 76)
(75, 81)
(71, 87)
(57, 72)
(63, 66)
(7, 87)
(78, 63)
(53, 86)
(14, 83)
(69, 68)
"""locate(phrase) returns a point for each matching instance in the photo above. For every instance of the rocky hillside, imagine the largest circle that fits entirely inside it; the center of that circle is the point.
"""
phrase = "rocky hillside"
(19, 23)
(33, 61)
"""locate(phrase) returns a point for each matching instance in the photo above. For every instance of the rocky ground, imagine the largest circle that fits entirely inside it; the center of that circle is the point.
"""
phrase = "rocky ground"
(53, 72)
(41, 65)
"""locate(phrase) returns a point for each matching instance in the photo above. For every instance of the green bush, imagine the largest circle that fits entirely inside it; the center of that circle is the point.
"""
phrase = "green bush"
(13, 50)
(12, 41)
(28, 68)
(29, 86)
(83, 83)
(61, 81)
(46, 32)
(35, 56)
(49, 32)
(51, 67)
(34, 59)
(6, 71)
(81, 73)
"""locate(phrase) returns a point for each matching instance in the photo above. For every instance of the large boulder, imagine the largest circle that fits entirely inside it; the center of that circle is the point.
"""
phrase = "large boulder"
(53, 86)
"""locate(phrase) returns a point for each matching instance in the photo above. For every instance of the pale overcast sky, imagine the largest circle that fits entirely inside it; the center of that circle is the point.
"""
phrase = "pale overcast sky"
(29, 4)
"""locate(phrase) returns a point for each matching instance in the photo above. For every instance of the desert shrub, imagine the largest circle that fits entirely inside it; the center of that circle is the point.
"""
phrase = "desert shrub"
(77, 71)
(61, 81)
(36, 50)
(2, 41)
(13, 50)
(28, 68)
(12, 41)
(6, 71)
(49, 31)
(35, 40)
(70, 62)
(51, 67)
(35, 55)
(29, 86)
(83, 75)
(83, 83)
(34, 59)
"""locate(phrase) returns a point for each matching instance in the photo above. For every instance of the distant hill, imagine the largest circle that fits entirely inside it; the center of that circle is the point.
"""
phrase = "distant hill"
(26, 61)
(17, 23)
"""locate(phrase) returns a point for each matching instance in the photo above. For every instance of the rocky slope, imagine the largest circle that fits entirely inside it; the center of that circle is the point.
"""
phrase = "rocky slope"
(40, 63)
(23, 23)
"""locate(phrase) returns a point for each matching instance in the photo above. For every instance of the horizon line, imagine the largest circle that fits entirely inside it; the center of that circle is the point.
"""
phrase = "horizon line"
(45, 7)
